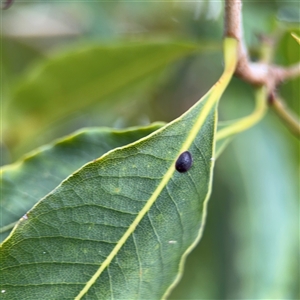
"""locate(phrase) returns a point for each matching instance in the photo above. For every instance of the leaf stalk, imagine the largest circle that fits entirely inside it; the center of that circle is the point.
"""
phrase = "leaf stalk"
(245, 123)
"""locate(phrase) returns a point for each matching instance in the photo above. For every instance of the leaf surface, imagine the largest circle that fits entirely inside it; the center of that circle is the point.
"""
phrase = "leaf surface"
(25, 182)
(69, 82)
(121, 226)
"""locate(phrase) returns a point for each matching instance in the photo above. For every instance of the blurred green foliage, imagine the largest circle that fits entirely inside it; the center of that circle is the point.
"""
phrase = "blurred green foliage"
(250, 247)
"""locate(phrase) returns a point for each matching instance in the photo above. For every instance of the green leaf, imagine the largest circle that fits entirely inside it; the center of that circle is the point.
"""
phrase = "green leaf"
(122, 225)
(70, 82)
(25, 182)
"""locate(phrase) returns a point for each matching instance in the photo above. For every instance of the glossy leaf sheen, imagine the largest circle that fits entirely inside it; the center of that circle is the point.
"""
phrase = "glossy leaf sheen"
(25, 182)
(121, 226)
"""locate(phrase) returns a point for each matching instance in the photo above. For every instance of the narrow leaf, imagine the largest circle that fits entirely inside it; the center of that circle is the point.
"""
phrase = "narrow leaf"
(25, 182)
(121, 226)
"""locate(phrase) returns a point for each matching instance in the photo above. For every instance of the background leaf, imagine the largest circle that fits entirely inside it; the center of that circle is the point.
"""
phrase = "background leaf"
(69, 82)
(25, 182)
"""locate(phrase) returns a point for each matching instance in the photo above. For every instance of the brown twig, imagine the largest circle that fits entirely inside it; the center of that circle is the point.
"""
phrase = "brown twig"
(261, 73)
(256, 73)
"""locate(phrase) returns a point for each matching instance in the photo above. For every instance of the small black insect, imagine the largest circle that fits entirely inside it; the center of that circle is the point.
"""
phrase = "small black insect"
(184, 162)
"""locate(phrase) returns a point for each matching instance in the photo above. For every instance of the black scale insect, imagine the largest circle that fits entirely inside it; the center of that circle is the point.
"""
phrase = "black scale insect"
(184, 162)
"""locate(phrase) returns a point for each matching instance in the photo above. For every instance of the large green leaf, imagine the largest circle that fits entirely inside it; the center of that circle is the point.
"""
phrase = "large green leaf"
(25, 182)
(122, 225)
(72, 81)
